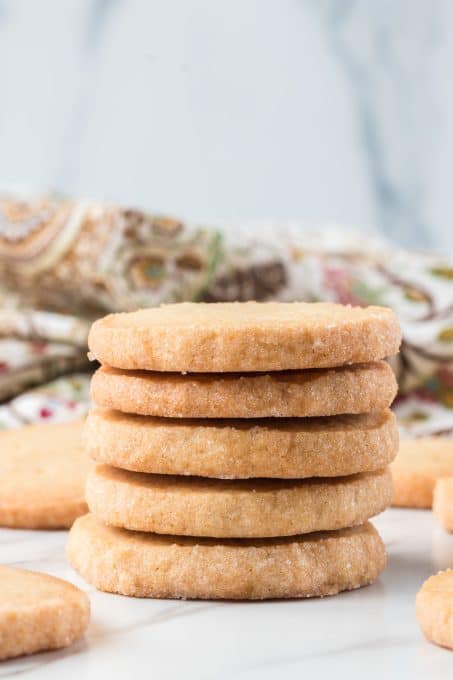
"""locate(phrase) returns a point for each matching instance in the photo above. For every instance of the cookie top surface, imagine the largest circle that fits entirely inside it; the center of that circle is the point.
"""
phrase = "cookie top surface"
(43, 470)
(247, 336)
(277, 448)
(434, 604)
(24, 589)
(416, 468)
(38, 612)
(426, 455)
(443, 502)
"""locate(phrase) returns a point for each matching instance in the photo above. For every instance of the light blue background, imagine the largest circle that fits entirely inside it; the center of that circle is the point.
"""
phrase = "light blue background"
(237, 109)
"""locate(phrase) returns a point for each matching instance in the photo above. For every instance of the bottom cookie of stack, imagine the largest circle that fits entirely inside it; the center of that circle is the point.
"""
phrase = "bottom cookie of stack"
(151, 565)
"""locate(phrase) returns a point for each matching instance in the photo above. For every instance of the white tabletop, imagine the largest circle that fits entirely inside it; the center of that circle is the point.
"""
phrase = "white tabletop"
(369, 633)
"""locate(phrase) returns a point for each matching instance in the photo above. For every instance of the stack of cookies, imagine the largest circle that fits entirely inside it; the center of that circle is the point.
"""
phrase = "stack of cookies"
(241, 449)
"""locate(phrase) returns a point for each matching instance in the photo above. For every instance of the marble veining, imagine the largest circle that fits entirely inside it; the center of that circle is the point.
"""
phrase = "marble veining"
(376, 70)
(320, 110)
(370, 630)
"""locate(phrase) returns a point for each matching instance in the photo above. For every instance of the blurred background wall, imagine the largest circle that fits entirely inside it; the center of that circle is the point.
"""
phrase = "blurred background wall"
(236, 109)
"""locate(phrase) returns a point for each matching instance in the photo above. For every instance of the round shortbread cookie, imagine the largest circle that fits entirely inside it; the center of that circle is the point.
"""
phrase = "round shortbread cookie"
(229, 449)
(443, 502)
(43, 470)
(434, 604)
(244, 336)
(351, 389)
(195, 506)
(39, 612)
(416, 468)
(149, 565)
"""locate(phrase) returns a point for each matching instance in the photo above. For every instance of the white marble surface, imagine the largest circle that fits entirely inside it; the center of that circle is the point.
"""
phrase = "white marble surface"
(371, 633)
(325, 110)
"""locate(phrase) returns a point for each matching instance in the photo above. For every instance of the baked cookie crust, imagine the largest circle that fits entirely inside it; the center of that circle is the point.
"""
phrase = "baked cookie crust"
(196, 506)
(354, 389)
(149, 565)
(43, 470)
(417, 467)
(240, 449)
(39, 612)
(244, 336)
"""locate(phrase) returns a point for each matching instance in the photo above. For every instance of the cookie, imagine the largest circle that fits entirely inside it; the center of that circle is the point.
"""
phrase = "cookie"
(149, 565)
(228, 449)
(195, 506)
(417, 467)
(352, 389)
(244, 336)
(434, 605)
(443, 502)
(39, 612)
(43, 470)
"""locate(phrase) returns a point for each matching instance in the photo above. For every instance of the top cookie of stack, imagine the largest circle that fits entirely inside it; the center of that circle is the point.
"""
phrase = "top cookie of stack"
(280, 348)
(239, 392)
(245, 336)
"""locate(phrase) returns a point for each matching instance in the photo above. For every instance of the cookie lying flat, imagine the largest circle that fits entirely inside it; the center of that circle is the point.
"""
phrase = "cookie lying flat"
(417, 467)
(194, 506)
(228, 449)
(148, 565)
(43, 470)
(39, 612)
(435, 608)
(443, 502)
(247, 336)
(351, 389)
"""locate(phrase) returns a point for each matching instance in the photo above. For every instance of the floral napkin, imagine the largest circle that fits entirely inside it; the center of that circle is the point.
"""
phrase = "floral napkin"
(64, 263)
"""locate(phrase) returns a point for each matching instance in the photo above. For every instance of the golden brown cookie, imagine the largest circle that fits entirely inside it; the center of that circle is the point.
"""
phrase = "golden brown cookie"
(244, 336)
(195, 506)
(443, 502)
(229, 449)
(417, 467)
(351, 389)
(435, 608)
(43, 470)
(149, 565)
(39, 612)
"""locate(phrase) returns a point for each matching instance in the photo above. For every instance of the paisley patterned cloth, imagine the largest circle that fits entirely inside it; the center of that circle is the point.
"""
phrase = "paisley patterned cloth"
(64, 263)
